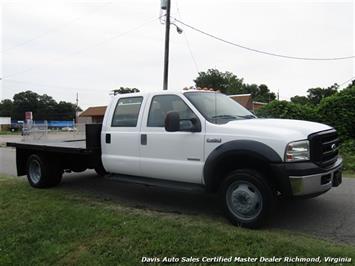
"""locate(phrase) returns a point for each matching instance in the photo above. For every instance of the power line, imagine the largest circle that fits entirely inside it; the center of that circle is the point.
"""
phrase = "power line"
(80, 51)
(191, 54)
(347, 81)
(48, 32)
(264, 52)
(187, 41)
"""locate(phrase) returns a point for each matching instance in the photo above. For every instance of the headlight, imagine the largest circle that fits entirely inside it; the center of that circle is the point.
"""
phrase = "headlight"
(297, 151)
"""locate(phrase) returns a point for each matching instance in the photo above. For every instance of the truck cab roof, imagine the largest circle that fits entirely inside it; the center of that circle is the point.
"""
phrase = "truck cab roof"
(162, 92)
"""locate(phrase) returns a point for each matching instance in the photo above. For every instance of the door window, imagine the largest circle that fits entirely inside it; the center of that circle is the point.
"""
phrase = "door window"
(162, 104)
(126, 112)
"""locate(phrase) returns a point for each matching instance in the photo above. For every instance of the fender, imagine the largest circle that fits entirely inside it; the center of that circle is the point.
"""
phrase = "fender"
(248, 148)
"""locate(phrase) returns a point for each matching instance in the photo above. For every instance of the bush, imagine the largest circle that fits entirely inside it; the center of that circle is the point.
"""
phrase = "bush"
(347, 151)
(339, 111)
(288, 110)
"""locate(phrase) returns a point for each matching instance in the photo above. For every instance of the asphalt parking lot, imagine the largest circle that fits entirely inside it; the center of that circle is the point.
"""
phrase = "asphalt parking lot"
(330, 216)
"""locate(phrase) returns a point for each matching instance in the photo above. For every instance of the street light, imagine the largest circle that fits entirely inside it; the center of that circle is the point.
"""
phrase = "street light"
(178, 29)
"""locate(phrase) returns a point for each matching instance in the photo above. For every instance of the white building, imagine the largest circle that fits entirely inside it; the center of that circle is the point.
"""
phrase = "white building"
(5, 123)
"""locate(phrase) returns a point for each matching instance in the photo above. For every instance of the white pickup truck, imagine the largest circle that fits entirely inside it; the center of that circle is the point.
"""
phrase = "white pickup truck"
(194, 138)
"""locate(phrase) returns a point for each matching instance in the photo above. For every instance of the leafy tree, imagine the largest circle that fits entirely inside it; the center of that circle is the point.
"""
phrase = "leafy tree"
(64, 111)
(226, 82)
(6, 107)
(24, 102)
(287, 110)
(123, 90)
(46, 107)
(315, 95)
(338, 111)
(43, 107)
(229, 83)
(300, 100)
(259, 93)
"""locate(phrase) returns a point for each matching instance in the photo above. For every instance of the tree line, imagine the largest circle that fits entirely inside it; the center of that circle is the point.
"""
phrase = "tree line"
(325, 105)
(43, 107)
(228, 83)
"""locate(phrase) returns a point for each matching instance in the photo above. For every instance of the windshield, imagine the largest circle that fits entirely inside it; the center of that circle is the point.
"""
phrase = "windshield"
(218, 108)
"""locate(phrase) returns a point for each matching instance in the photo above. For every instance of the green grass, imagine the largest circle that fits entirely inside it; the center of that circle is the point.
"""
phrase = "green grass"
(10, 133)
(46, 227)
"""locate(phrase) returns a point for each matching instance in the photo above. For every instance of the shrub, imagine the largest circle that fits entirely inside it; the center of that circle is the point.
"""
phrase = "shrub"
(339, 111)
(288, 110)
(347, 151)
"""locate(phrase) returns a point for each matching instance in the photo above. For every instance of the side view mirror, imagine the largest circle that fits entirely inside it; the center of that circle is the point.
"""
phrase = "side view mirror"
(172, 122)
(196, 125)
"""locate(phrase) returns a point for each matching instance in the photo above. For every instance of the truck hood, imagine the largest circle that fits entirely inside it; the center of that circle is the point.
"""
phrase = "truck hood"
(282, 129)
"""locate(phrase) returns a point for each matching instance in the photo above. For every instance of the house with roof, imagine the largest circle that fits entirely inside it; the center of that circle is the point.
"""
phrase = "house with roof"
(92, 115)
(246, 101)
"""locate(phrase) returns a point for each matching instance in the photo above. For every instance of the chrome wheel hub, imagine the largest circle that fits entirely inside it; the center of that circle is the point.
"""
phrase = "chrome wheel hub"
(35, 171)
(244, 200)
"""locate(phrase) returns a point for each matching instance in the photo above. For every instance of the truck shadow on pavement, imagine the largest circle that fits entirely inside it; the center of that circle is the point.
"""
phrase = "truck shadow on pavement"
(145, 197)
(330, 216)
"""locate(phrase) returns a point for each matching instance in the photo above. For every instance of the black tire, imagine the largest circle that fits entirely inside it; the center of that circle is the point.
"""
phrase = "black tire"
(41, 173)
(247, 198)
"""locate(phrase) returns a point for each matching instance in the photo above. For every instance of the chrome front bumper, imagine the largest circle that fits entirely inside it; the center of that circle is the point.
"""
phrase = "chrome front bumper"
(315, 183)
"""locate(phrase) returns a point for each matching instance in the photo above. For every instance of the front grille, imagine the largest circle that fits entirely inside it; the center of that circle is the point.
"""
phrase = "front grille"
(324, 147)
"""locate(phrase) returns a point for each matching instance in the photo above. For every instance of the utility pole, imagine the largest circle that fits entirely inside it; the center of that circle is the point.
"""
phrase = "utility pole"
(77, 101)
(167, 39)
(75, 120)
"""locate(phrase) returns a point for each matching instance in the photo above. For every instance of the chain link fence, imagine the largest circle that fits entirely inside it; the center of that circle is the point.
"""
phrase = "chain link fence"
(42, 132)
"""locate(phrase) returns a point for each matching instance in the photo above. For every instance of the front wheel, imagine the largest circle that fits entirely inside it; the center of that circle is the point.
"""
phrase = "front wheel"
(247, 198)
(41, 173)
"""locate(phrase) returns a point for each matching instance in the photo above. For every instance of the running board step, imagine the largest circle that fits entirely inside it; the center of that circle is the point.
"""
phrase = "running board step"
(157, 182)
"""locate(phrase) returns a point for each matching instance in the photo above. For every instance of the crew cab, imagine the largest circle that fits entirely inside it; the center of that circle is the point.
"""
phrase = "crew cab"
(198, 139)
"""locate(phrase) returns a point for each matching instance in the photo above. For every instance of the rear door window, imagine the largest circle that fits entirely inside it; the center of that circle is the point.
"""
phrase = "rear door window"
(127, 112)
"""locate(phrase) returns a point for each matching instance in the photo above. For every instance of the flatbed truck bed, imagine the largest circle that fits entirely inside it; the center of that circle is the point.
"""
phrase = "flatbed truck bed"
(66, 155)
(71, 146)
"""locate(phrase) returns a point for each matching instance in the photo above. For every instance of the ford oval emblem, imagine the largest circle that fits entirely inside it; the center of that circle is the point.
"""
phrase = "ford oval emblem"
(333, 146)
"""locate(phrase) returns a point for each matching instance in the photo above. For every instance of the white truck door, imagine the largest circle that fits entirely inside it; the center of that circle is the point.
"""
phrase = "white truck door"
(176, 156)
(121, 139)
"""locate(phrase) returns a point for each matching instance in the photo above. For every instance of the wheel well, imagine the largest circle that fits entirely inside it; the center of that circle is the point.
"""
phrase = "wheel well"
(22, 156)
(224, 165)
(21, 160)
(74, 162)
